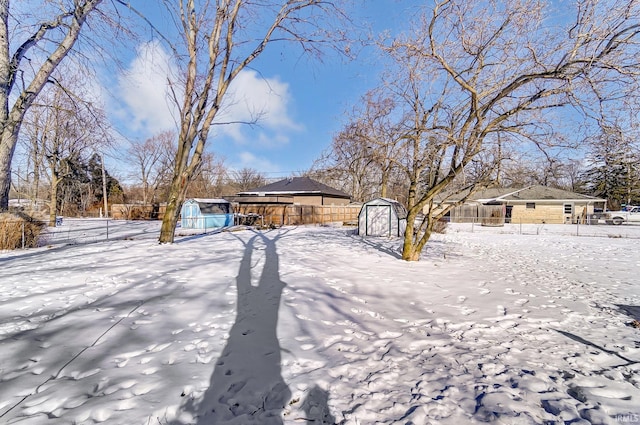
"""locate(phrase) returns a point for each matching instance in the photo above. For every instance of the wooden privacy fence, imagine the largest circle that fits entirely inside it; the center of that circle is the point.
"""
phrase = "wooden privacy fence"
(272, 214)
(138, 211)
(293, 215)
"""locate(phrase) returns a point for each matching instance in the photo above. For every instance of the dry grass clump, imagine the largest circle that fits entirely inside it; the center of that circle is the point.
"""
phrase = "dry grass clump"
(11, 231)
(440, 226)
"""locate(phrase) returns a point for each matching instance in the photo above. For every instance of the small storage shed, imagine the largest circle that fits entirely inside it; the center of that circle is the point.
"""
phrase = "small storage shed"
(382, 217)
(200, 213)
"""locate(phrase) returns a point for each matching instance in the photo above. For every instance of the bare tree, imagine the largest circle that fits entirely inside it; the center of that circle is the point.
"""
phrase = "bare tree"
(470, 72)
(247, 178)
(221, 40)
(521, 169)
(210, 179)
(153, 161)
(62, 130)
(22, 76)
(376, 133)
(346, 166)
(34, 127)
(363, 156)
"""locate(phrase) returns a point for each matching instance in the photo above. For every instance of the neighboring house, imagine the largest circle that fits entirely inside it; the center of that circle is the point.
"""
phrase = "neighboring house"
(532, 204)
(382, 217)
(200, 213)
(295, 190)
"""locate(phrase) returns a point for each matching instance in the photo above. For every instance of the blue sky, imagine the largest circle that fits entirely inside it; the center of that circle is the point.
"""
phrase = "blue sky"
(303, 100)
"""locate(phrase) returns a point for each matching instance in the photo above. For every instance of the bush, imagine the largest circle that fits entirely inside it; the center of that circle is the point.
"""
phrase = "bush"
(11, 231)
(440, 226)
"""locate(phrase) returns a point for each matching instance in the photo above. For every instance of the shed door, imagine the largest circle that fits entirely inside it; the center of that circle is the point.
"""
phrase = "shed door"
(378, 220)
(192, 216)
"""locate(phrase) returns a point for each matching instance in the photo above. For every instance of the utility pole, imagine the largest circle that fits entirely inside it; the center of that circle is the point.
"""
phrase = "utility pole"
(629, 182)
(104, 187)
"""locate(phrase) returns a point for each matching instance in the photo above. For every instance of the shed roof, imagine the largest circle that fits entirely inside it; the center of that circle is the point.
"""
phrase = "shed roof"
(296, 186)
(210, 205)
(399, 209)
(210, 200)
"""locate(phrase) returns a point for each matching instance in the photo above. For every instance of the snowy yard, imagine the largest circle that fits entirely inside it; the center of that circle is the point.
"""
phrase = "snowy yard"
(316, 325)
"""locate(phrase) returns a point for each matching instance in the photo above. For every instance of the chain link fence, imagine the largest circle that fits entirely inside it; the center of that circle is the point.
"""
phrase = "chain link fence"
(83, 231)
(594, 229)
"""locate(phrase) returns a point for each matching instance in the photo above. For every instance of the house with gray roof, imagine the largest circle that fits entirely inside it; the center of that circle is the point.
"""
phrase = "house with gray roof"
(294, 190)
(531, 204)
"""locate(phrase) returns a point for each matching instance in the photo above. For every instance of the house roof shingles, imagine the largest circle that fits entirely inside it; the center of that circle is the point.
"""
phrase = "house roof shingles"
(529, 193)
(296, 186)
(545, 193)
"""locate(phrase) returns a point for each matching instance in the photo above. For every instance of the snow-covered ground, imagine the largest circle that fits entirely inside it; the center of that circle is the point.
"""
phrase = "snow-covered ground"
(316, 325)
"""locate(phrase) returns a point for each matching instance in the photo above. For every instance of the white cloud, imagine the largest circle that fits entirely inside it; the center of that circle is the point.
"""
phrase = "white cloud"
(144, 90)
(249, 160)
(252, 97)
(144, 93)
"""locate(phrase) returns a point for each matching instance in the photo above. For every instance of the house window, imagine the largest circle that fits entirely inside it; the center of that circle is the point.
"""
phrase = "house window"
(531, 205)
(568, 209)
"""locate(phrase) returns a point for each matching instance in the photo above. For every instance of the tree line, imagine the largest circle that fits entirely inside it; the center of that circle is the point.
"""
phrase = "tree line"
(71, 173)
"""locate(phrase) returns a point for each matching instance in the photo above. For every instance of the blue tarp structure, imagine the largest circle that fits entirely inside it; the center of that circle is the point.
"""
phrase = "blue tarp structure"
(200, 213)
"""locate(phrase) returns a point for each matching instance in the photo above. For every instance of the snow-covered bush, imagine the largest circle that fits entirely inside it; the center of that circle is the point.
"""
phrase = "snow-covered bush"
(19, 228)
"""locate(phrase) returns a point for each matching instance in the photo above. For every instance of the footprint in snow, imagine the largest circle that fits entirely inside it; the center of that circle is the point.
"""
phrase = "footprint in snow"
(158, 348)
(150, 371)
(77, 375)
(390, 334)
(142, 389)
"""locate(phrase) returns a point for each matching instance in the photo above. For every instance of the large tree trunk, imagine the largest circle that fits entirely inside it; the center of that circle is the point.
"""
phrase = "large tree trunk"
(53, 193)
(384, 184)
(145, 191)
(416, 239)
(37, 163)
(177, 193)
(8, 142)
(8, 135)
(53, 203)
(413, 245)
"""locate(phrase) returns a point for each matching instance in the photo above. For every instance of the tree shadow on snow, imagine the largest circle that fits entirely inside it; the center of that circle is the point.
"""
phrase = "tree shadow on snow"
(393, 246)
(382, 245)
(632, 311)
(186, 238)
(85, 325)
(594, 345)
(247, 385)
